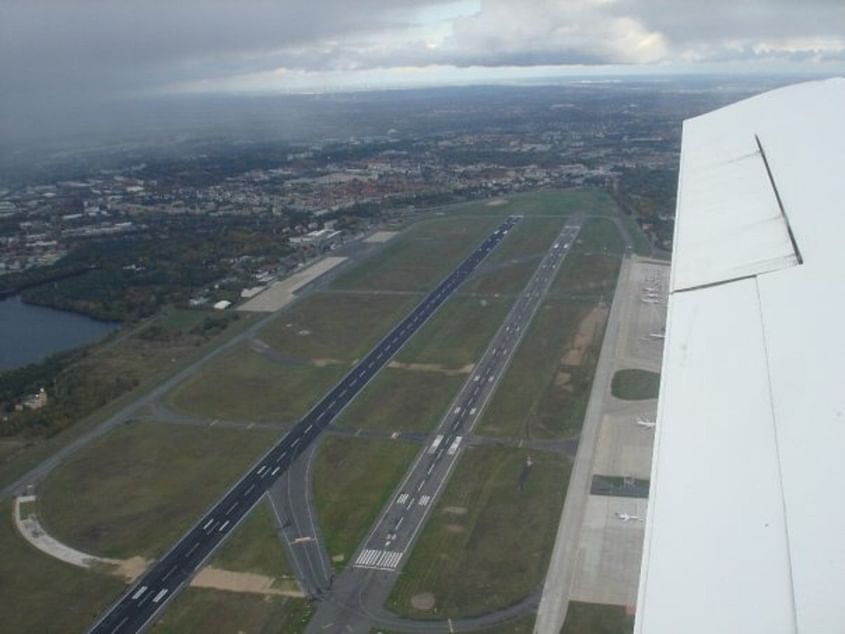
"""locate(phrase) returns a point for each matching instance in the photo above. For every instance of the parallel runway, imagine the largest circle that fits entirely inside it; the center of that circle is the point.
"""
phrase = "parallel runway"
(389, 541)
(170, 573)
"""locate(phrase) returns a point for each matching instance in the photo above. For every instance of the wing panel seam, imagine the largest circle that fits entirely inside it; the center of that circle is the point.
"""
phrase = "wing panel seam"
(776, 440)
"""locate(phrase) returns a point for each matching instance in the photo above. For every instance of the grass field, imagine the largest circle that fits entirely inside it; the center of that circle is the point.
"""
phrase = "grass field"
(547, 202)
(336, 326)
(403, 400)
(202, 610)
(489, 539)
(458, 333)
(418, 258)
(255, 547)
(635, 385)
(599, 235)
(136, 360)
(520, 626)
(545, 391)
(41, 594)
(508, 268)
(587, 275)
(353, 479)
(590, 618)
(642, 245)
(244, 385)
(144, 484)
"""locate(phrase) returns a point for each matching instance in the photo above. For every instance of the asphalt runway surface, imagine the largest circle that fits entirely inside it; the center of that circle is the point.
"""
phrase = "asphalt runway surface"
(137, 607)
(362, 590)
(389, 541)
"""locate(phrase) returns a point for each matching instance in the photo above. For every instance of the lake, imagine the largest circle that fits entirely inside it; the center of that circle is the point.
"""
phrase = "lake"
(31, 333)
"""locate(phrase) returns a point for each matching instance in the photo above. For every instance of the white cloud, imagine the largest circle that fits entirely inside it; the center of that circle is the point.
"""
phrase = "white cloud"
(92, 49)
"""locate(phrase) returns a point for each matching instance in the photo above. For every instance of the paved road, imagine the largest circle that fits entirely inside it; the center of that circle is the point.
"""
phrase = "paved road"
(291, 499)
(391, 539)
(555, 600)
(170, 573)
(360, 591)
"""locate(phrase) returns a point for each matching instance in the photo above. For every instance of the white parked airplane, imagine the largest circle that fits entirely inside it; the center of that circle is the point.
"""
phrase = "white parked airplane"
(657, 335)
(626, 517)
(646, 422)
(650, 300)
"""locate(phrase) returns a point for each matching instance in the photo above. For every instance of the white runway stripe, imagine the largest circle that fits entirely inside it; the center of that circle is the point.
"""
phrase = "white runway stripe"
(424, 500)
(378, 559)
(401, 499)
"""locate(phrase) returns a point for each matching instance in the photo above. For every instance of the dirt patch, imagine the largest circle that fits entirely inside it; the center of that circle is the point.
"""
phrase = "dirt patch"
(587, 330)
(497, 202)
(455, 510)
(423, 601)
(563, 380)
(132, 568)
(217, 579)
(431, 367)
(455, 528)
(380, 236)
(322, 363)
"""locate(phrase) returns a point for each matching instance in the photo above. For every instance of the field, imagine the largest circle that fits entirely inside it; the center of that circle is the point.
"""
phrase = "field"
(489, 539)
(520, 626)
(41, 594)
(635, 385)
(202, 610)
(545, 390)
(115, 373)
(244, 385)
(336, 326)
(642, 245)
(508, 268)
(587, 275)
(458, 333)
(547, 202)
(353, 479)
(403, 400)
(418, 258)
(589, 618)
(144, 484)
(599, 235)
(255, 547)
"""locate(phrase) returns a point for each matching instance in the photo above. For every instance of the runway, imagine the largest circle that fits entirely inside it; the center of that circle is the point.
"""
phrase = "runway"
(388, 543)
(361, 588)
(135, 609)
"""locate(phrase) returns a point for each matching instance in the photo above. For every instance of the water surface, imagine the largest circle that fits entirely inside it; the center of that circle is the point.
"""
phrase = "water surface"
(31, 333)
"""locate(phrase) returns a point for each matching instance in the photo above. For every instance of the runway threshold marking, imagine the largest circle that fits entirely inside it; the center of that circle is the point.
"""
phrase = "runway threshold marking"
(376, 559)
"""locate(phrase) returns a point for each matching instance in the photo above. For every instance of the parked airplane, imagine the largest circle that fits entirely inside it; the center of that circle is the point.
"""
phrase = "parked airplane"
(626, 517)
(646, 422)
(650, 300)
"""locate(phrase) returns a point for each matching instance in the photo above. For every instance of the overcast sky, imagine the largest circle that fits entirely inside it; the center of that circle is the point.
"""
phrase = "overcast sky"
(85, 51)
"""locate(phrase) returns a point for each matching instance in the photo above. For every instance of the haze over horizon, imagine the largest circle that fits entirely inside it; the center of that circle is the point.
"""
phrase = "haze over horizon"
(57, 56)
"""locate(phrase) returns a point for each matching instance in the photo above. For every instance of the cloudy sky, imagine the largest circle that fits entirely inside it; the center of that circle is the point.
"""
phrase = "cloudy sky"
(81, 50)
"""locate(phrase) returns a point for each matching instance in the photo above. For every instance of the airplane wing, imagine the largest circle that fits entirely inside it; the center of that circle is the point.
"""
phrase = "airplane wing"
(745, 526)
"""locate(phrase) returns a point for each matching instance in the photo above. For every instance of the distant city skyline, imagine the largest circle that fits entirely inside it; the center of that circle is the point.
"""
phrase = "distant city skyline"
(57, 56)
